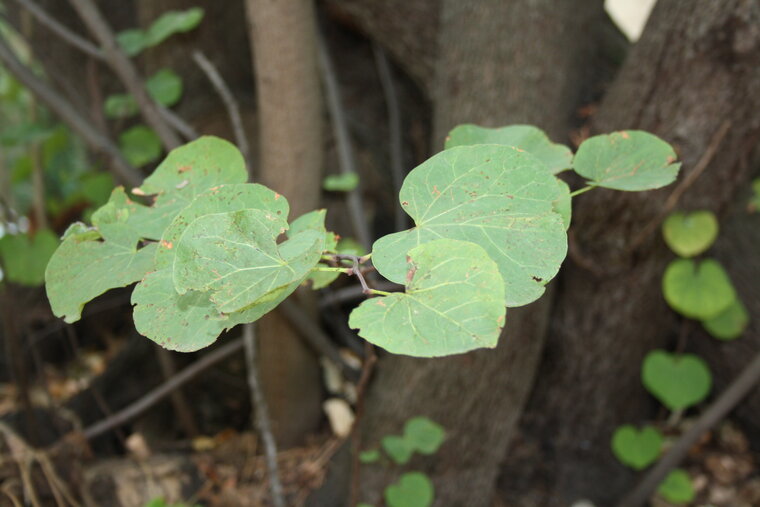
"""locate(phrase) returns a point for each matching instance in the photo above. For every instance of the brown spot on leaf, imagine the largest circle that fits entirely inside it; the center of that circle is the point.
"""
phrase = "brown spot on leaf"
(276, 196)
(167, 244)
(410, 274)
(184, 169)
(405, 203)
(625, 135)
(436, 192)
(538, 279)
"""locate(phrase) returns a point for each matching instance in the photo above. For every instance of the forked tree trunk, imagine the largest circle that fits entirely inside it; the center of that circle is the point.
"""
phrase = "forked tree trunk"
(498, 63)
(695, 68)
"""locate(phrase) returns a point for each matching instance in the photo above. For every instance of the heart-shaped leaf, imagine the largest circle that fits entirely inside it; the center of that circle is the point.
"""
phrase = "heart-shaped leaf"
(25, 257)
(629, 160)
(398, 448)
(413, 489)
(454, 302)
(690, 234)
(730, 323)
(634, 448)
(677, 487)
(165, 87)
(678, 381)
(556, 157)
(495, 196)
(697, 290)
(424, 435)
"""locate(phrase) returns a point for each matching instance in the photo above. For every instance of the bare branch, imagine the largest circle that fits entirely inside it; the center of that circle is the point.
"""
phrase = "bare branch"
(126, 70)
(346, 159)
(61, 31)
(133, 410)
(124, 172)
(261, 415)
(233, 110)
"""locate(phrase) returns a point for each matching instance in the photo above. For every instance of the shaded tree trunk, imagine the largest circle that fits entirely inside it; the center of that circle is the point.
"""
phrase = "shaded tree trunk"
(695, 68)
(489, 71)
(283, 36)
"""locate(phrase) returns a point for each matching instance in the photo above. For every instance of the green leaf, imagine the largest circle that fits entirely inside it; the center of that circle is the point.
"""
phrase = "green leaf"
(371, 456)
(91, 261)
(690, 234)
(165, 87)
(349, 246)
(25, 257)
(185, 173)
(341, 182)
(636, 449)
(678, 381)
(97, 187)
(424, 435)
(413, 489)
(120, 105)
(132, 41)
(140, 145)
(563, 205)
(236, 256)
(397, 448)
(730, 323)
(495, 196)
(630, 160)
(315, 220)
(172, 22)
(556, 157)
(454, 302)
(697, 290)
(677, 487)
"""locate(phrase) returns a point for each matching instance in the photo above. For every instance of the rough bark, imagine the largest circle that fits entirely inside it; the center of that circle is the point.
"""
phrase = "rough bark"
(489, 71)
(290, 146)
(695, 67)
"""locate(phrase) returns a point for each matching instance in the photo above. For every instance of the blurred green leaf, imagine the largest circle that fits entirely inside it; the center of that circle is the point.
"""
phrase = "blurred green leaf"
(135, 40)
(165, 86)
(697, 290)
(341, 182)
(424, 435)
(690, 234)
(413, 489)
(636, 448)
(397, 448)
(371, 456)
(677, 380)
(730, 323)
(140, 145)
(25, 257)
(677, 487)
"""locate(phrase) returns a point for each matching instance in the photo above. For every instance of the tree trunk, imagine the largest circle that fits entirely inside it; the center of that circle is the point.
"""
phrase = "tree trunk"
(695, 68)
(489, 71)
(290, 142)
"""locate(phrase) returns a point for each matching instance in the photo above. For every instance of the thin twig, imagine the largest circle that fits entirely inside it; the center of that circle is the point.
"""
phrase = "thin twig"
(261, 415)
(124, 172)
(126, 70)
(361, 388)
(352, 293)
(738, 389)
(315, 337)
(155, 395)
(688, 181)
(61, 31)
(394, 129)
(233, 109)
(346, 159)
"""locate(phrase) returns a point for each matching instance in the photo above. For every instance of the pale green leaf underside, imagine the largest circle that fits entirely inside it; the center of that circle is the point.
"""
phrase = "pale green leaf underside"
(235, 255)
(630, 160)
(184, 174)
(636, 449)
(556, 157)
(454, 302)
(697, 290)
(678, 381)
(730, 323)
(189, 322)
(690, 234)
(221, 199)
(495, 196)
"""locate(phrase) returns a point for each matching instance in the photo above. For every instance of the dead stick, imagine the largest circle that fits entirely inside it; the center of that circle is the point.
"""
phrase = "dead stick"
(261, 416)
